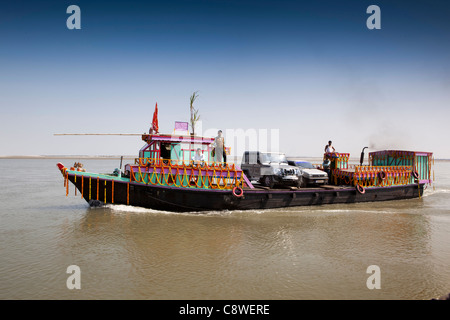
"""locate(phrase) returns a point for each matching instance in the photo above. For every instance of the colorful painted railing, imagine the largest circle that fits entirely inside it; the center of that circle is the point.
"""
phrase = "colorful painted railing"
(338, 160)
(374, 176)
(175, 173)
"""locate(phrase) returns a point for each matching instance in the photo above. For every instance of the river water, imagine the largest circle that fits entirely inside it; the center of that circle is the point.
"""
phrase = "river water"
(126, 252)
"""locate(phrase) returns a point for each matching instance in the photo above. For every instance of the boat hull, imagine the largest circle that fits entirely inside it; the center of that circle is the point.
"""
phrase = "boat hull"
(194, 200)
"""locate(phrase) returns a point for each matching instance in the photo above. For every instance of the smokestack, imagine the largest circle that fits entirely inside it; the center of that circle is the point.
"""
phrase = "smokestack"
(361, 160)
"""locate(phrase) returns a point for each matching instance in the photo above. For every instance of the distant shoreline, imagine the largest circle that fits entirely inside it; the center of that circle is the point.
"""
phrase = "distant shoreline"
(69, 157)
(115, 157)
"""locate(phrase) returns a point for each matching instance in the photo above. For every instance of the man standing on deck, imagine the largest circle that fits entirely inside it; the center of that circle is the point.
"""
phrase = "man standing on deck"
(329, 148)
(219, 145)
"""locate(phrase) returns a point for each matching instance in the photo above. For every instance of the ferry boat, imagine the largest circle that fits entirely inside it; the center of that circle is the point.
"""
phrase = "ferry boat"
(164, 177)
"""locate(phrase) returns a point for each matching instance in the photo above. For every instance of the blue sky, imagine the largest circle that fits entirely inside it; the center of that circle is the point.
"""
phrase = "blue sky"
(310, 69)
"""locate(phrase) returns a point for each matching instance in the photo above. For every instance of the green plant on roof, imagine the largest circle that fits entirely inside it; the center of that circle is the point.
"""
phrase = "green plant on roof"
(194, 112)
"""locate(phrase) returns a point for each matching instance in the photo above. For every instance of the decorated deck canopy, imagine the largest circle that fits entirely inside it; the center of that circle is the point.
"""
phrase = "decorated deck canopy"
(175, 147)
(419, 161)
(386, 168)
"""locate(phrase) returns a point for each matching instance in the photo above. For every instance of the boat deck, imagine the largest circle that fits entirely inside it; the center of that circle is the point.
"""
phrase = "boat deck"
(322, 187)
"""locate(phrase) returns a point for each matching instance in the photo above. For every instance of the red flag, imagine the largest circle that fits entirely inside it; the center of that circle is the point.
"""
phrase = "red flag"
(155, 127)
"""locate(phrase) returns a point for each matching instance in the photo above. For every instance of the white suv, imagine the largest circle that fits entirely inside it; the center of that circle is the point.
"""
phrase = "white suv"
(270, 168)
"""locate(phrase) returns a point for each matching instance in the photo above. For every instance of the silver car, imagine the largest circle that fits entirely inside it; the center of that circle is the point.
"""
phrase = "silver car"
(310, 174)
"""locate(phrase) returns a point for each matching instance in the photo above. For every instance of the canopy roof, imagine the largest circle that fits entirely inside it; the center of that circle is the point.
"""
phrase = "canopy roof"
(176, 138)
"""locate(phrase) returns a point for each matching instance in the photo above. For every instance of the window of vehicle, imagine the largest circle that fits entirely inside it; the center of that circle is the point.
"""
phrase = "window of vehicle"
(273, 158)
(304, 164)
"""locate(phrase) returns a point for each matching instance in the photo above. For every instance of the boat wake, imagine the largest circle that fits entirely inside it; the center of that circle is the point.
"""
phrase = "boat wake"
(431, 192)
(122, 208)
(125, 209)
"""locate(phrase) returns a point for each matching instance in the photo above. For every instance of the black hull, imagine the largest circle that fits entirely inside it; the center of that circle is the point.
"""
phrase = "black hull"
(189, 200)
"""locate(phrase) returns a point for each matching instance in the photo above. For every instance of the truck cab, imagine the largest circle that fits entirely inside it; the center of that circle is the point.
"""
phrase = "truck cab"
(270, 169)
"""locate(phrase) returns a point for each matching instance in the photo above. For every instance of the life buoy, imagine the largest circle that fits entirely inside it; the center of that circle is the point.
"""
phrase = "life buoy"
(360, 189)
(382, 175)
(239, 194)
(415, 174)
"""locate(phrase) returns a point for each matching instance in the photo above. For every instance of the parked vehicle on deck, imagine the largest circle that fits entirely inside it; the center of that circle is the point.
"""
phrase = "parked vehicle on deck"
(270, 169)
(311, 176)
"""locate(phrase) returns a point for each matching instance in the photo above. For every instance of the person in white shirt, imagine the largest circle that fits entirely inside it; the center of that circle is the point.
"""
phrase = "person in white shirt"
(329, 148)
(199, 157)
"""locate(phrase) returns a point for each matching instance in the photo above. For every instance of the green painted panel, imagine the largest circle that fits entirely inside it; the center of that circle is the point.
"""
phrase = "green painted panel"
(175, 153)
